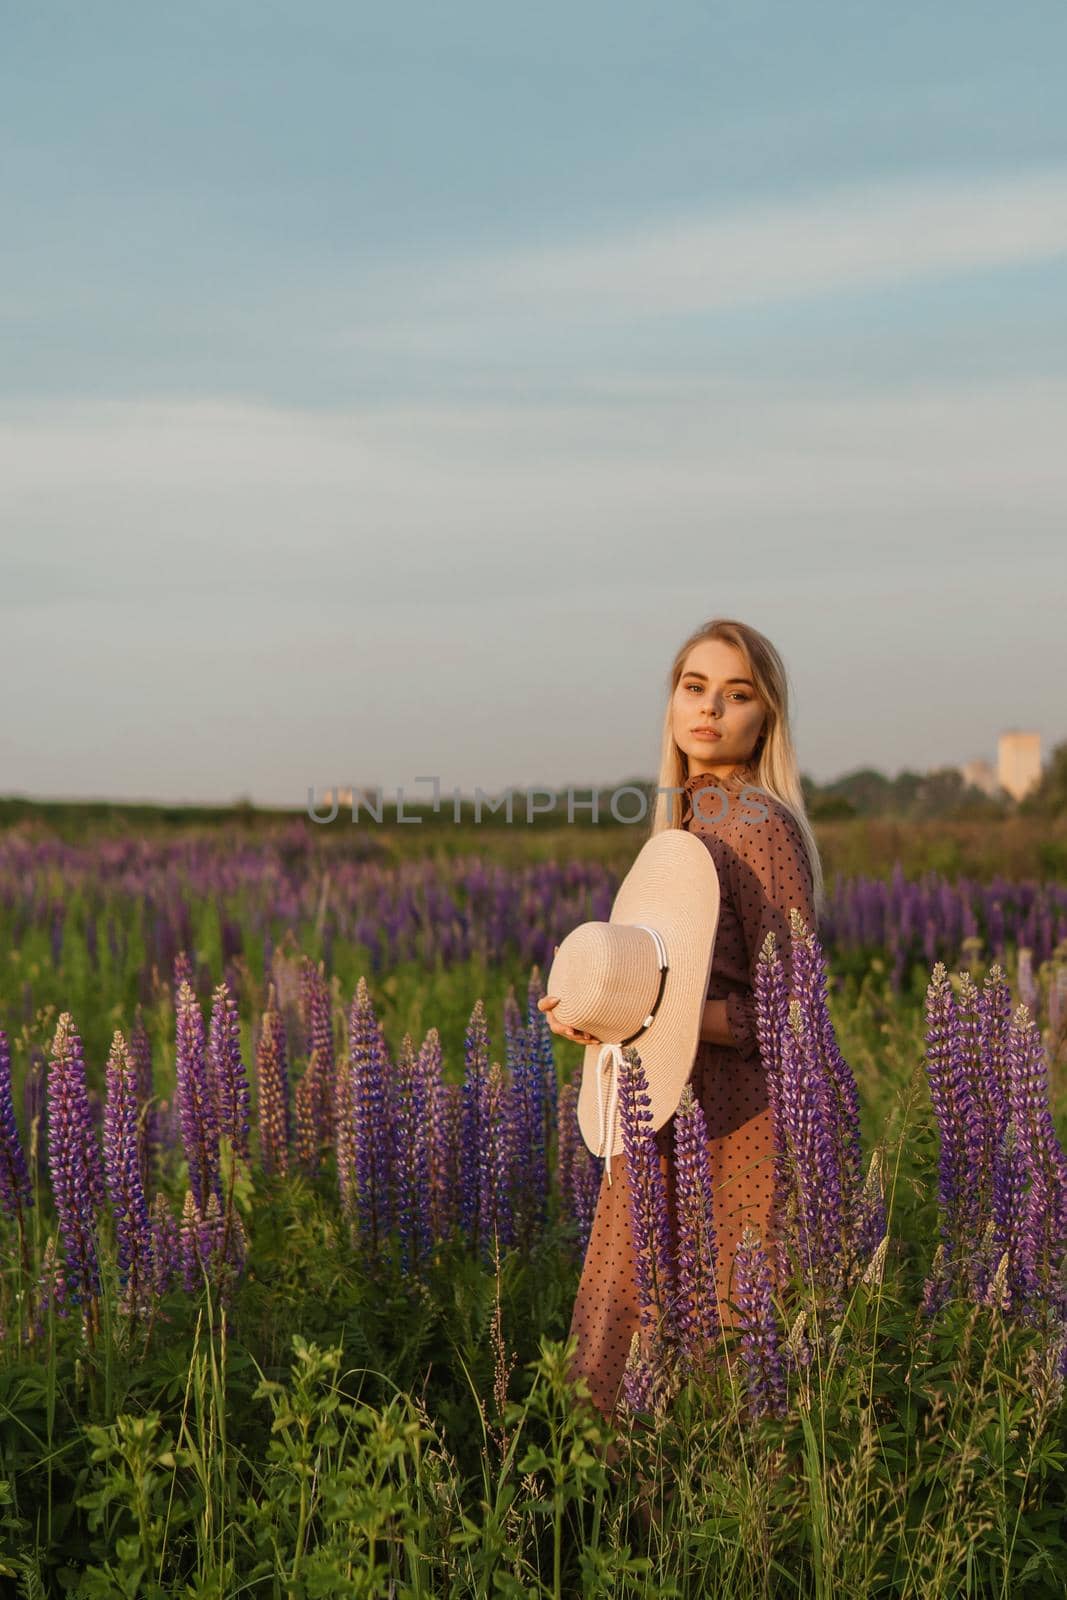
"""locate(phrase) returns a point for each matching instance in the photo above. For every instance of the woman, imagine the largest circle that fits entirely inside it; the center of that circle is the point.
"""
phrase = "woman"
(727, 747)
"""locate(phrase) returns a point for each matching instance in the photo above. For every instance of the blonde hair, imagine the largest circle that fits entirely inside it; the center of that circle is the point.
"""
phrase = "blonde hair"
(773, 757)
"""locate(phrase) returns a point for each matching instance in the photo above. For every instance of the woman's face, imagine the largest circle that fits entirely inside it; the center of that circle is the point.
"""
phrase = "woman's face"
(715, 691)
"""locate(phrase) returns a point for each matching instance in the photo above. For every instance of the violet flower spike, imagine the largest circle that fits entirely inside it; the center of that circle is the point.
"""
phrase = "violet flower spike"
(943, 1070)
(195, 1099)
(1044, 1238)
(321, 1071)
(272, 1078)
(420, 1155)
(475, 1121)
(228, 1071)
(166, 1247)
(368, 1112)
(122, 1171)
(16, 1191)
(638, 1380)
(649, 1217)
(772, 1024)
(539, 1037)
(75, 1164)
(523, 1070)
(697, 1312)
(404, 1134)
(761, 1347)
(496, 1220)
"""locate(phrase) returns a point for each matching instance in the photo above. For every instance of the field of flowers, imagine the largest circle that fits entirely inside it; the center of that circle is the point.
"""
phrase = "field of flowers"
(293, 1206)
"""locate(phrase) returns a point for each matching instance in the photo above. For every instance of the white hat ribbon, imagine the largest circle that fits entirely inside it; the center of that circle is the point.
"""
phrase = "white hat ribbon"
(611, 1055)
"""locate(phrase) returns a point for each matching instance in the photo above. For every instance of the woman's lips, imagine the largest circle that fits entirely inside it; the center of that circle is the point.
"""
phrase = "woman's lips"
(706, 733)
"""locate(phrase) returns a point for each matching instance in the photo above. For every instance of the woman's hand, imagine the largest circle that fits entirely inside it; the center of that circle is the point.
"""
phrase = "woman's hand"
(546, 1005)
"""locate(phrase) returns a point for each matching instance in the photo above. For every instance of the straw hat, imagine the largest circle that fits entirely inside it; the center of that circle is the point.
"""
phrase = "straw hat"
(641, 979)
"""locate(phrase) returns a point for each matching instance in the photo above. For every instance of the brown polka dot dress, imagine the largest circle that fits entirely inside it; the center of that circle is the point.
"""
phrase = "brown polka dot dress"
(763, 869)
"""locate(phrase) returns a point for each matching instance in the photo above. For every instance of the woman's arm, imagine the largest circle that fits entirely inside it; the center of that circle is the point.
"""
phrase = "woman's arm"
(715, 1023)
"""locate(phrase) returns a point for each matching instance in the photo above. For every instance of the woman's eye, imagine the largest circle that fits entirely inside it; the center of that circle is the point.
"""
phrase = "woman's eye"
(737, 693)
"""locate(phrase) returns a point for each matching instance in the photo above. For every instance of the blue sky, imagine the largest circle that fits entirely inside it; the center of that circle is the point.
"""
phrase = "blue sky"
(388, 391)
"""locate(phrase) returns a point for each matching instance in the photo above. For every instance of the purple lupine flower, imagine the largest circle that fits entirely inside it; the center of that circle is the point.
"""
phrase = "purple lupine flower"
(16, 1191)
(697, 1311)
(361, 1040)
(639, 1389)
(871, 1218)
(475, 1126)
(404, 1152)
(122, 1172)
(75, 1164)
(542, 1055)
(567, 1138)
(306, 1098)
(649, 1216)
(196, 1103)
(524, 1070)
(796, 1351)
(968, 1110)
(808, 1132)
(810, 982)
(209, 1238)
(495, 1218)
(772, 1024)
(994, 1015)
(437, 1175)
(982, 1138)
(166, 1247)
(228, 1070)
(1044, 1237)
(447, 1148)
(588, 1177)
(321, 1072)
(419, 1156)
(272, 1077)
(937, 1288)
(946, 1074)
(986, 1105)
(387, 1080)
(140, 1048)
(761, 1350)
(209, 1247)
(362, 1044)
(368, 1111)
(1009, 1221)
(1006, 1177)
(230, 1243)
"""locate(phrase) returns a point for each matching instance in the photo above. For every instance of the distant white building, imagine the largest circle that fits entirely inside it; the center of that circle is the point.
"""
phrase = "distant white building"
(1018, 761)
(980, 773)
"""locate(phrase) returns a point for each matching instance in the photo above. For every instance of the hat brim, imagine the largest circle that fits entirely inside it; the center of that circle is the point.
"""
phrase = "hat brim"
(672, 886)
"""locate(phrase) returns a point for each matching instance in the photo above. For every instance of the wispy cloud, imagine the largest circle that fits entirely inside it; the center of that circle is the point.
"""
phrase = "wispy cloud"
(860, 237)
(371, 505)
